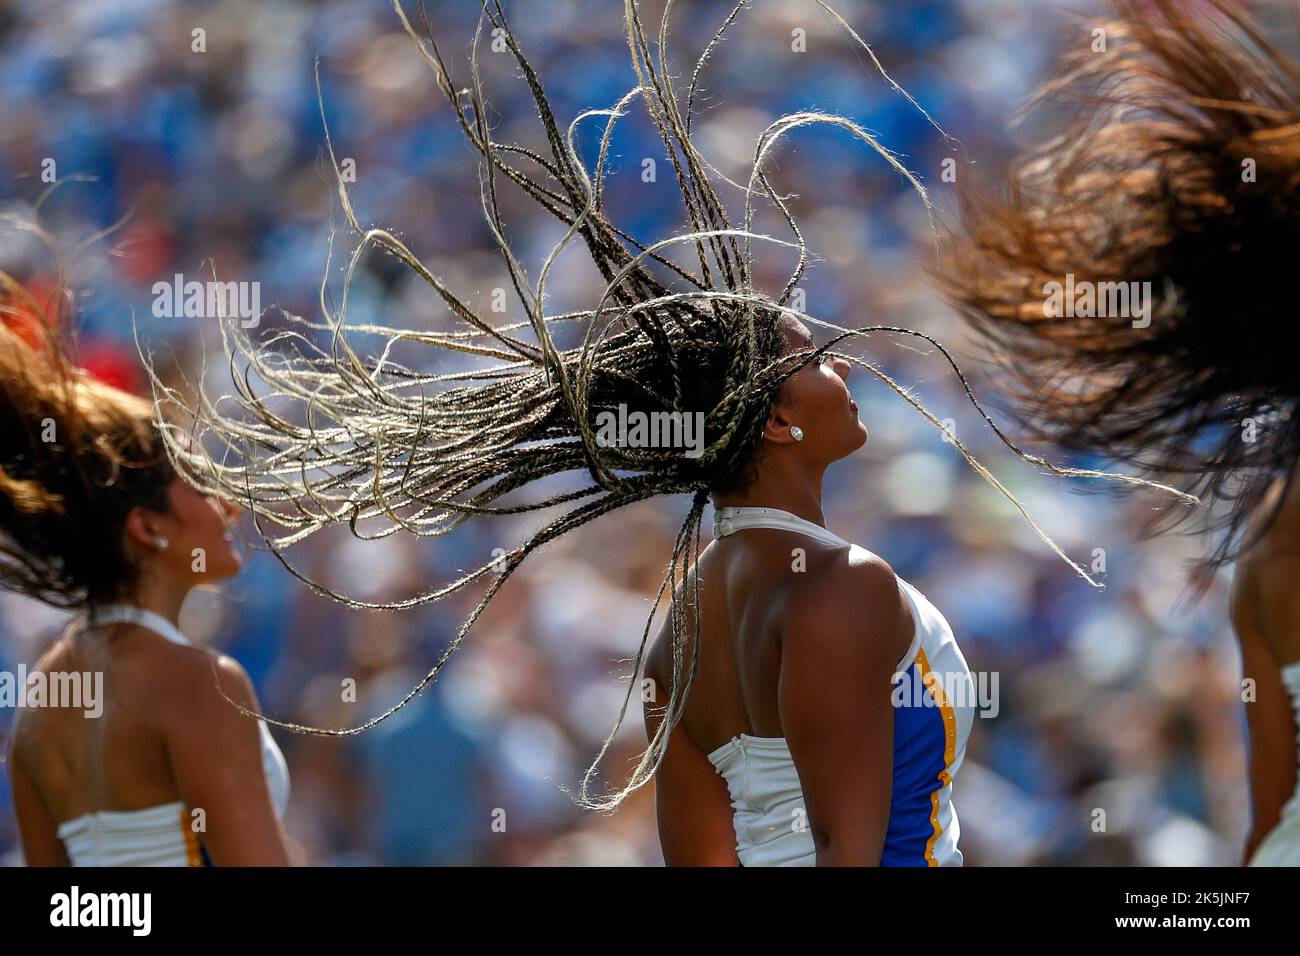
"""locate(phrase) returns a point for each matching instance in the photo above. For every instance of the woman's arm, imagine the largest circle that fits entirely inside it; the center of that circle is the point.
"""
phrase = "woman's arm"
(692, 803)
(216, 755)
(37, 829)
(1269, 717)
(845, 628)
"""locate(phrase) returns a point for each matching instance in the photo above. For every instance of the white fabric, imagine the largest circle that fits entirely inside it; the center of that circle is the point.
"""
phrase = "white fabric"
(156, 836)
(1282, 845)
(161, 835)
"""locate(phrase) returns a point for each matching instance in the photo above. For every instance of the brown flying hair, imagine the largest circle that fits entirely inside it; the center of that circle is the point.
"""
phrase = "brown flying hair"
(1178, 166)
(76, 456)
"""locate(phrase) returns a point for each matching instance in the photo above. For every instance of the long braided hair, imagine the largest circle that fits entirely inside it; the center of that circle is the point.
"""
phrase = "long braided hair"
(331, 437)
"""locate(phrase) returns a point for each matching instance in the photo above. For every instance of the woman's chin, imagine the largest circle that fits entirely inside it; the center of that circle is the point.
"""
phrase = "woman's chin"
(226, 567)
(856, 441)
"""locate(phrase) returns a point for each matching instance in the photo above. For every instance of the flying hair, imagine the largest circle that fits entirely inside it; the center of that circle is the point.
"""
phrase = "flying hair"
(1177, 169)
(329, 437)
(76, 454)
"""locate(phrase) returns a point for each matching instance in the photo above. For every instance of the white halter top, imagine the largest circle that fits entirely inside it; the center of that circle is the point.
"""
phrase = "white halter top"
(160, 835)
(1282, 845)
(935, 706)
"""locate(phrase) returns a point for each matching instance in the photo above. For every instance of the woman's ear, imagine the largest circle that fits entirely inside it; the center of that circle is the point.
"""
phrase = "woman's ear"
(777, 428)
(142, 528)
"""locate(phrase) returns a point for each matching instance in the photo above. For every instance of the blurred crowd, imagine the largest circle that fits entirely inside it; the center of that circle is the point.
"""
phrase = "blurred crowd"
(1109, 701)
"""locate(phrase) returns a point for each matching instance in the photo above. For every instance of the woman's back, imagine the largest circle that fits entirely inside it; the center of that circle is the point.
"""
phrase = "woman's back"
(117, 760)
(740, 663)
(130, 779)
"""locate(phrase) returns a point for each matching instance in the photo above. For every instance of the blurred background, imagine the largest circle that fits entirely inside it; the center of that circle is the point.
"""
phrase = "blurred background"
(1113, 700)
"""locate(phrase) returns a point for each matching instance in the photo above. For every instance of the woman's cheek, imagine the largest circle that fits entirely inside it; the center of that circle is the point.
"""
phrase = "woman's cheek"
(210, 552)
(831, 398)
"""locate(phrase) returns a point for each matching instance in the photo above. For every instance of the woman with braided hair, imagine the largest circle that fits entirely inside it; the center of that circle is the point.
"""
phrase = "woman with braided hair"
(770, 683)
(1180, 173)
(95, 518)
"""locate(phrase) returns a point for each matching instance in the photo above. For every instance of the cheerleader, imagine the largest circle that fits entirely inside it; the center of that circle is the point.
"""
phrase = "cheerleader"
(802, 745)
(95, 518)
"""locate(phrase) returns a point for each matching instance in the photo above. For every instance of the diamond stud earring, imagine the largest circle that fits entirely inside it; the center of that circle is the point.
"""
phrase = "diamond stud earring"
(161, 543)
(796, 433)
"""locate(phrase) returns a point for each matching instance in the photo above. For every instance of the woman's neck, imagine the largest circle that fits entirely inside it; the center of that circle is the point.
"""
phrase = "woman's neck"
(799, 498)
(163, 598)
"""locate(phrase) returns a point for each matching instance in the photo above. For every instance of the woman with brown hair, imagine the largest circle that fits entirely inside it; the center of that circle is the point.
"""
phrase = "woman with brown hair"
(95, 518)
(1175, 187)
